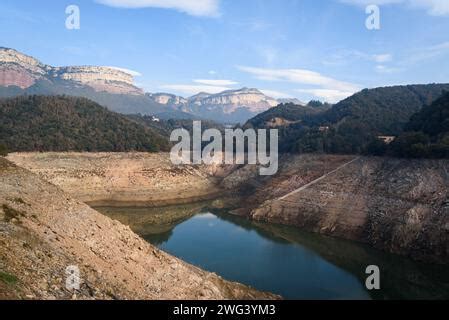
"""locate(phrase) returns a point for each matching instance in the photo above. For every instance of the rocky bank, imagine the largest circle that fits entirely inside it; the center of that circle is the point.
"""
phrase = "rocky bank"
(43, 231)
(397, 205)
(124, 178)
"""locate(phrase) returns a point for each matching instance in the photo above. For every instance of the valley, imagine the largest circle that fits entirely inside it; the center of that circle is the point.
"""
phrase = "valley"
(399, 206)
(212, 150)
(130, 188)
(307, 265)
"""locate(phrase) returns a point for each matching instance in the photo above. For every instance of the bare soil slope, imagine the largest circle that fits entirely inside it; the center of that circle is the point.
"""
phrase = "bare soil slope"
(43, 231)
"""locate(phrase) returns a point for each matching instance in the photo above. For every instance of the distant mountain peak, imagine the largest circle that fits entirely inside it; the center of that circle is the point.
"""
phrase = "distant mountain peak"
(23, 71)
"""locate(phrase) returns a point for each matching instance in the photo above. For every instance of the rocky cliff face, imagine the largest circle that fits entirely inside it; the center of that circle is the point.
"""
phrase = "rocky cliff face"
(17, 69)
(43, 231)
(101, 79)
(252, 99)
(228, 106)
(401, 206)
(168, 99)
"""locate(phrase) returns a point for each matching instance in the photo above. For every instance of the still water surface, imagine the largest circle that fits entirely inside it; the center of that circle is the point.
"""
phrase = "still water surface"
(279, 259)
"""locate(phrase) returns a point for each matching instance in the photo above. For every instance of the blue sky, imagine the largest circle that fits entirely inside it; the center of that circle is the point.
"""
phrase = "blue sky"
(294, 48)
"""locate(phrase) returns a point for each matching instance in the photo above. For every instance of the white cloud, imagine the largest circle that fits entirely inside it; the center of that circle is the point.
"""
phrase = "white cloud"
(382, 58)
(433, 7)
(299, 76)
(275, 94)
(343, 57)
(128, 71)
(329, 95)
(328, 89)
(206, 8)
(192, 89)
(385, 69)
(426, 53)
(216, 82)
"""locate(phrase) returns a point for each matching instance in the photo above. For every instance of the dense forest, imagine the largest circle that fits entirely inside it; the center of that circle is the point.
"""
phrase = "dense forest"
(165, 127)
(426, 135)
(352, 125)
(61, 123)
(289, 112)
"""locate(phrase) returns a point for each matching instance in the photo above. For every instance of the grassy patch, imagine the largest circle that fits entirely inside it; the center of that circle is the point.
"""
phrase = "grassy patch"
(8, 278)
(11, 213)
(18, 200)
(5, 164)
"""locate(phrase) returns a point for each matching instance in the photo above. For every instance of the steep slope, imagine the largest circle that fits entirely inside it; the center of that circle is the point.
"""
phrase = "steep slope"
(286, 114)
(40, 123)
(396, 205)
(350, 125)
(427, 133)
(146, 179)
(384, 110)
(43, 231)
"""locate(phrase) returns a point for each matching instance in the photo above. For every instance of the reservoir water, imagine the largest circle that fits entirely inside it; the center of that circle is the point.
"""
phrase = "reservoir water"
(279, 259)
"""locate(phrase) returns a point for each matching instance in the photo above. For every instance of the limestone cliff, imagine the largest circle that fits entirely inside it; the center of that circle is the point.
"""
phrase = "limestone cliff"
(231, 100)
(17, 69)
(167, 99)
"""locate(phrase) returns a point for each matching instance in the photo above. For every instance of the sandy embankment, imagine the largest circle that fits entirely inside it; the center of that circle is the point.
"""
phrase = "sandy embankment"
(122, 179)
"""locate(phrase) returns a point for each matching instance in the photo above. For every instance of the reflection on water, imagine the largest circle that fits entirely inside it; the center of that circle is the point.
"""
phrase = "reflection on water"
(283, 260)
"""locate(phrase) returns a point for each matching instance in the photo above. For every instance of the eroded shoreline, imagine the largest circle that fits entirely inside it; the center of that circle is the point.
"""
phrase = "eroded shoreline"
(396, 205)
(43, 230)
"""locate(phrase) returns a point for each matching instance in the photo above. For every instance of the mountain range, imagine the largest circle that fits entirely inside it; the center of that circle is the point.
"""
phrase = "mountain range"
(114, 88)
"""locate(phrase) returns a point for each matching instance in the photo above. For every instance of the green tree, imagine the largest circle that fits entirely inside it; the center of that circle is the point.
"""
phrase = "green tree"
(3, 150)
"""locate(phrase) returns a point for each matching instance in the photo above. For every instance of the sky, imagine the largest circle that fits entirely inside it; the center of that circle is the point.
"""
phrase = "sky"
(305, 49)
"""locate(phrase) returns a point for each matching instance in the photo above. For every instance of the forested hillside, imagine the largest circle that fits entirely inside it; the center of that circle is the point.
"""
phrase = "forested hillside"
(427, 133)
(352, 124)
(289, 112)
(60, 123)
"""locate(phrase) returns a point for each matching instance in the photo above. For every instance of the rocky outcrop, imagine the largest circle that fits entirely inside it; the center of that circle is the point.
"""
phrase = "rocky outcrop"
(401, 206)
(252, 99)
(17, 69)
(123, 178)
(101, 79)
(227, 106)
(43, 231)
(167, 99)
